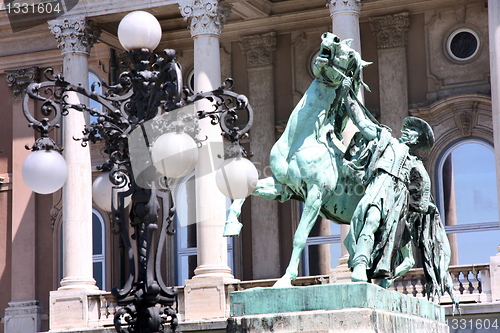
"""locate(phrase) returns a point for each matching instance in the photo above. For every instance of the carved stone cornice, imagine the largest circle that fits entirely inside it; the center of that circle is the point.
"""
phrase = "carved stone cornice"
(344, 7)
(391, 30)
(19, 79)
(259, 49)
(74, 34)
(205, 17)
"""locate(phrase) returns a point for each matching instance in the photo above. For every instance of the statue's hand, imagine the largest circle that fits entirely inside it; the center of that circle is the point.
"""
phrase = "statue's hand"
(347, 83)
(432, 208)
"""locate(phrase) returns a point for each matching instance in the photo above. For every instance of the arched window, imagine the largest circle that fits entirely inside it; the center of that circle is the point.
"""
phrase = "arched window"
(467, 200)
(99, 249)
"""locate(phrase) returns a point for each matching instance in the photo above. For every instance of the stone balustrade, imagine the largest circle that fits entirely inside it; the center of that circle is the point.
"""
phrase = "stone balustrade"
(471, 282)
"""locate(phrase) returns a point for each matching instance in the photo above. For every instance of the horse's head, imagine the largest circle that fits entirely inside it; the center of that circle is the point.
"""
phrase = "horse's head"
(337, 60)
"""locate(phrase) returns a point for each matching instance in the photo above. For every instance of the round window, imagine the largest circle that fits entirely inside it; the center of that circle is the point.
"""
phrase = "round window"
(462, 44)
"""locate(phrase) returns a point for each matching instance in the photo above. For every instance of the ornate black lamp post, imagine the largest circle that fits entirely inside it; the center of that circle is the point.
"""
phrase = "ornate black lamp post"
(137, 112)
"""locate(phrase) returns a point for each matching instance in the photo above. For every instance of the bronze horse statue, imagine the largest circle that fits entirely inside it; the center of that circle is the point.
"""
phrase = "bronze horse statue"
(306, 160)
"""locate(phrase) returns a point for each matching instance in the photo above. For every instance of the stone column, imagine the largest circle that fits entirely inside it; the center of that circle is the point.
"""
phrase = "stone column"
(391, 32)
(345, 24)
(205, 295)
(68, 306)
(23, 313)
(260, 52)
(494, 46)
(450, 209)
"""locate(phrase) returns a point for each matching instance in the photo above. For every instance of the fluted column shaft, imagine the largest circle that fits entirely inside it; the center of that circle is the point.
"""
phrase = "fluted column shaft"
(76, 36)
(205, 20)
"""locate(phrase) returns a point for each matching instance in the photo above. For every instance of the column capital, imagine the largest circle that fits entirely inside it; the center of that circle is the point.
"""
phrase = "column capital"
(391, 30)
(19, 79)
(205, 17)
(74, 34)
(259, 49)
(344, 7)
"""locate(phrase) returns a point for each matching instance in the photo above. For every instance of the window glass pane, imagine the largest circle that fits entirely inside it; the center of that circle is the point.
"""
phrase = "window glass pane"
(477, 247)
(335, 254)
(474, 179)
(98, 274)
(335, 248)
(97, 238)
(188, 265)
(186, 214)
(94, 78)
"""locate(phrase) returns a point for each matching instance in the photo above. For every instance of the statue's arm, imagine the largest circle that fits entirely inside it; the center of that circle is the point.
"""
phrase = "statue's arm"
(368, 129)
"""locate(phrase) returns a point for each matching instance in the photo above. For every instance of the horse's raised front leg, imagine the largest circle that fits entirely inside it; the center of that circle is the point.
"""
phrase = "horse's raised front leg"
(312, 205)
(233, 226)
(268, 188)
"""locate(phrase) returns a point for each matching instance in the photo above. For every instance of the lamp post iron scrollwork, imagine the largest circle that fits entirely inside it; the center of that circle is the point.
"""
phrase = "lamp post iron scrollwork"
(152, 88)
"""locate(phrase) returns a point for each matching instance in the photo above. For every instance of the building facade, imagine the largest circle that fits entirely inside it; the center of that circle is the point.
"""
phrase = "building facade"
(434, 59)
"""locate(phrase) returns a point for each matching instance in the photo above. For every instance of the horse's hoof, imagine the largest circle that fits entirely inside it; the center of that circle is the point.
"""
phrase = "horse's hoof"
(359, 273)
(232, 228)
(385, 283)
(284, 282)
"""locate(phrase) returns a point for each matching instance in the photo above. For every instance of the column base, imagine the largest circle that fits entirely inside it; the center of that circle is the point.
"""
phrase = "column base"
(72, 309)
(341, 273)
(69, 283)
(204, 271)
(25, 316)
(207, 297)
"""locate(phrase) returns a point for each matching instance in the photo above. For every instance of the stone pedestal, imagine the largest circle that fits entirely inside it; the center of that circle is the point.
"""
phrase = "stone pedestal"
(342, 307)
(207, 297)
(23, 317)
(73, 309)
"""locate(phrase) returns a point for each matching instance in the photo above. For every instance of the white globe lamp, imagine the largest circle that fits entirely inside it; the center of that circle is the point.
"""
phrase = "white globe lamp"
(138, 30)
(237, 178)
(102, 190)
(174, 154)
(44, 171)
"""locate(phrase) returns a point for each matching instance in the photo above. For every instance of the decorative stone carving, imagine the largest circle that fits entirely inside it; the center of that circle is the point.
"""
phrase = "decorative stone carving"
(206, 17)
(259, 49)
(75, 34)
(465, 117)
(347, 6)
(19, 79)
(391, 30)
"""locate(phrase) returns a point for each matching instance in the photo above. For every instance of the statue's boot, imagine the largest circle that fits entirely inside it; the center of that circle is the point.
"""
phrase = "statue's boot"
(364, 249)
(232, 228)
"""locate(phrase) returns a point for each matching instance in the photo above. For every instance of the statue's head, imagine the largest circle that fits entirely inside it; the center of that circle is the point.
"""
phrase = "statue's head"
(417, 133)
(337, 60)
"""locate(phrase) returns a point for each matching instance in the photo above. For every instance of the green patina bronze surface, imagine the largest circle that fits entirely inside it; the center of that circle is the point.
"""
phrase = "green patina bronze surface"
(378, 185)
(330, 297)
